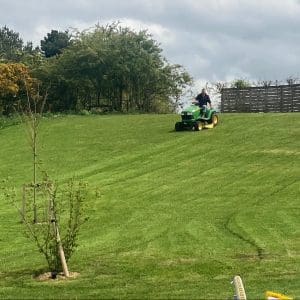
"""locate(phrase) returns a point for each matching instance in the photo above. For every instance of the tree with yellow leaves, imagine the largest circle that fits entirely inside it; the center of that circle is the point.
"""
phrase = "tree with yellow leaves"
(16, 84)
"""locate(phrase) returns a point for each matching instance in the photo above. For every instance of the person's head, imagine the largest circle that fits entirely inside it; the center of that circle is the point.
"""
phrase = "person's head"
(203, 91)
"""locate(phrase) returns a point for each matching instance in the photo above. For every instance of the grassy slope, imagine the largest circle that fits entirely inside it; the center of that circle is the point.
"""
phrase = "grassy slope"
(180, 213)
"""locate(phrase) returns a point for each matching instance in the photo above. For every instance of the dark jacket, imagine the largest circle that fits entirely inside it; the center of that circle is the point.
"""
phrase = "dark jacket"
(203, 100)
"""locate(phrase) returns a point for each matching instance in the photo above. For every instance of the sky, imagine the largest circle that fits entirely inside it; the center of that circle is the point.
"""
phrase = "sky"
(215, 40)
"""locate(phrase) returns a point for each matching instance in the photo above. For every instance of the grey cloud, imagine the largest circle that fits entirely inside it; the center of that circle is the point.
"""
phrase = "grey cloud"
(215, 39)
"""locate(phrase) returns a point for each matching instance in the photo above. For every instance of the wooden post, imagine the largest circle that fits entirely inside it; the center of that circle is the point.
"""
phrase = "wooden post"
(281, 99)
(56, 231)
(292, 100)
(61, 250)
(222, 100)
(23, 203)
(239, 288)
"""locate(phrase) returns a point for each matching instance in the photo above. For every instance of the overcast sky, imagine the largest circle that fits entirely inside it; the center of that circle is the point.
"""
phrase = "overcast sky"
(214, 39)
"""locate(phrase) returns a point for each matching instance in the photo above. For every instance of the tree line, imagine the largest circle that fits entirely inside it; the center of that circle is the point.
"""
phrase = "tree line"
(105, 68)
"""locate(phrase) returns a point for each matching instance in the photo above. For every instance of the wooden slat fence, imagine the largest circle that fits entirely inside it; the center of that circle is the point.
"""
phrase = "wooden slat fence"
(282, 98)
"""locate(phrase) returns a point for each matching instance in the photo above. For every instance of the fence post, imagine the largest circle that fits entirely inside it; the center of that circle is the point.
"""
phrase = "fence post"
(222, 100)
(293, 93)
(281, 99)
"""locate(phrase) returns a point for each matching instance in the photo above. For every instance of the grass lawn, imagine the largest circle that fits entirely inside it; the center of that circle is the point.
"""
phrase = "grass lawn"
(180, 213)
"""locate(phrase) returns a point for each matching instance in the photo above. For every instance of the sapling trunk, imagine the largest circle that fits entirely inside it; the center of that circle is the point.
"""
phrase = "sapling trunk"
(34, 152)
(61, 252)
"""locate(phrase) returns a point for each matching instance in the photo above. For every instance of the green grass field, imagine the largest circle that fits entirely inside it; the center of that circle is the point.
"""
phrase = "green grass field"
(179, 214)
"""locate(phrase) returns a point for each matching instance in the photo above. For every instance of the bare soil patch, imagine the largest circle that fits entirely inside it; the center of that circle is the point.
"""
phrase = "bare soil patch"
(50, 277)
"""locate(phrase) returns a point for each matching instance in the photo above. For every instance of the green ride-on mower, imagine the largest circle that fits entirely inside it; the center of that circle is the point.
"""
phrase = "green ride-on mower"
(196, 118)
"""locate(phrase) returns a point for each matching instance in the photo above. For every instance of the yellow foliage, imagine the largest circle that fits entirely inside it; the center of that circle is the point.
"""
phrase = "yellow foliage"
(15, 77)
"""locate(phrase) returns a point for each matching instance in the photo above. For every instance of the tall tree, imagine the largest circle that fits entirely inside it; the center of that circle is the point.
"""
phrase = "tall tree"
(10, 45)
(55, 42)
(116, 67)
(31, 56)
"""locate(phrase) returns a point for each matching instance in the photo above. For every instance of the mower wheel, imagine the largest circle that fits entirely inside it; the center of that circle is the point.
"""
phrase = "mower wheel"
(198, 126)
(178, 126)
(214, 119)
